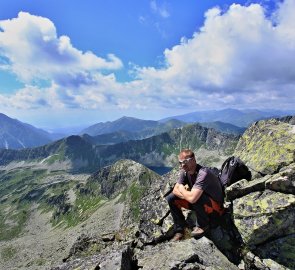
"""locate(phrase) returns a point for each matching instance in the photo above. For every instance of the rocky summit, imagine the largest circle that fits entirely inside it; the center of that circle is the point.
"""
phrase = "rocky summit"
(118, 218)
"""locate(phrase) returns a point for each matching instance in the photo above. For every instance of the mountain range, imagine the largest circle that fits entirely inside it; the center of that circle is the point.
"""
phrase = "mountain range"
(17, 135)
(240, 118)
(79, 154)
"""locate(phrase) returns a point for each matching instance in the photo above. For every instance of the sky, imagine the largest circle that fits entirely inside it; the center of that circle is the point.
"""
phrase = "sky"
(73, 62)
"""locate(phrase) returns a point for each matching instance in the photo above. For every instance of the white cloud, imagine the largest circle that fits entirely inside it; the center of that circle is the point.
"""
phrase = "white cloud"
(239, 58)
(235, 54)
(35, 51)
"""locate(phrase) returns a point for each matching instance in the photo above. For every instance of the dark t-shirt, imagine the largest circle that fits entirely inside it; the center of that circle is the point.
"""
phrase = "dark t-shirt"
(205, 180)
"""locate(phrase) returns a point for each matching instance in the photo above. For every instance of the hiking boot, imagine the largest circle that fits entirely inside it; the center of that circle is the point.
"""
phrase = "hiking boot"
(198, 232)
(177, 237)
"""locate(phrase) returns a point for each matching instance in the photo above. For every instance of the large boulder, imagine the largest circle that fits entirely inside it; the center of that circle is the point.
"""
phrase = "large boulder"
(281, 250)
(283, 181)
(267, 146)
(187, 254)
(261, 216)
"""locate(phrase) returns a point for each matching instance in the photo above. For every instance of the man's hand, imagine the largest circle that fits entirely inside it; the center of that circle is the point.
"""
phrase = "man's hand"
(177, 190)
(187, 187)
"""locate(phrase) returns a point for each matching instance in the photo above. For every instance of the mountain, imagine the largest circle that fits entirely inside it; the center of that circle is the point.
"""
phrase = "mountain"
(110, 138)
(240, 118)
(124, 136)
(129, 124)
(137, 128)
(224, 127)
(118, 218)
(16, 135)
(79, 154)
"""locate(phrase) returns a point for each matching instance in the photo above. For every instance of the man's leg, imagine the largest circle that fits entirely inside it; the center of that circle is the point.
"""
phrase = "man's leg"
(200, 209)
(205, 208)
(175, 204)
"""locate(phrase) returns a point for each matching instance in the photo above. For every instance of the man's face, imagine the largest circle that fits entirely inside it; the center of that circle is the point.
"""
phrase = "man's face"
(187, 163)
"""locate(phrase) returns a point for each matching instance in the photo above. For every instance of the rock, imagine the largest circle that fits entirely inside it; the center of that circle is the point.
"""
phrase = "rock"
(284, 181)
(254, 262)
(280, 251)
(155, 222)
(267, 146)
(287, 119)
(187, 254)
(86, 246)
(273, 265)
(120, 258)
(244, 187)
(260, 216)
(227, 239)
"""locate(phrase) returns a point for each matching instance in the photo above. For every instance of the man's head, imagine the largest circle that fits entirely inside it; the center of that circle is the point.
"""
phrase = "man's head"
(187, 161)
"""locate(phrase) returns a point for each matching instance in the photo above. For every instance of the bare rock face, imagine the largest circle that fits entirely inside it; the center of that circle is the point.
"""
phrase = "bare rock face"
(260, 217)
(263, 209)
(115, 259)
(281, 250)
(187, 254)
(267, 146)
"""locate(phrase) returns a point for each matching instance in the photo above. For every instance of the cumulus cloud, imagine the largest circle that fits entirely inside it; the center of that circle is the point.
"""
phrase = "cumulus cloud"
(239, 58)
(235, 54)
(35, 51)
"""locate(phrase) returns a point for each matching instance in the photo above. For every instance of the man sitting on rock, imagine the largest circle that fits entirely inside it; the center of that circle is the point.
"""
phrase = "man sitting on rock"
(197, 189)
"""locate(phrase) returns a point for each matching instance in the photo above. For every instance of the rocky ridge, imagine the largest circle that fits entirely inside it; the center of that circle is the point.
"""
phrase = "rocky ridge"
(256, 233)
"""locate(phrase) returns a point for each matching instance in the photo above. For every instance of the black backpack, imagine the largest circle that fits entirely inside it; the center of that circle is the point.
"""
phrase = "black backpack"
(232, 170)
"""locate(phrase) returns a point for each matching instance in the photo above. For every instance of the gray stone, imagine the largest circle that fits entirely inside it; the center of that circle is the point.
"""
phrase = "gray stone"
(280, 251)
(187, 254)
(260, 216)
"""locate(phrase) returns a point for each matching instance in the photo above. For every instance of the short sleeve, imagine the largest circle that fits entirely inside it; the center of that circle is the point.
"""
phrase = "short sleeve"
(200, 181)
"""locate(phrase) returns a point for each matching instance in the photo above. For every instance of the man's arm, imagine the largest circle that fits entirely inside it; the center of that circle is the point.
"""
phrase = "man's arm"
(177, 192)
(189, 195)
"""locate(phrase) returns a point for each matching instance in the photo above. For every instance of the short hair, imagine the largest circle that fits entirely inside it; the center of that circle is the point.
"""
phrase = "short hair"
(187, 152)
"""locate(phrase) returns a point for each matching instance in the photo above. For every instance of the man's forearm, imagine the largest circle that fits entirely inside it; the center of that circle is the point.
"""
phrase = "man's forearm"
(190, 195)
(177, 192)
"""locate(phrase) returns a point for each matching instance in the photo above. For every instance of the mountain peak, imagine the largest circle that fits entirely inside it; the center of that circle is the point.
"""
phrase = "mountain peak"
(17, 135)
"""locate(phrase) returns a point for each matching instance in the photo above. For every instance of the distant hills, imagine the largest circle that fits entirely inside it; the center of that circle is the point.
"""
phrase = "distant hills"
(17, 135)
(135, 127)
(240, 118)
(78, 153)
(224, 127)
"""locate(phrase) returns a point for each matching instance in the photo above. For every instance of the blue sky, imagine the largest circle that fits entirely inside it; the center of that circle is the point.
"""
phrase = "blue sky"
(67, 63)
